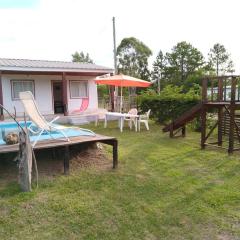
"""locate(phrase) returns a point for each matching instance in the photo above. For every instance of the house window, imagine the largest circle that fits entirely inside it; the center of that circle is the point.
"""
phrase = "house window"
(78, 89)
(21, 86)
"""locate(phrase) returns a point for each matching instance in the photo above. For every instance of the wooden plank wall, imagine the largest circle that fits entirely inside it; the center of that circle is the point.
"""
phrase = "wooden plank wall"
(226, 124)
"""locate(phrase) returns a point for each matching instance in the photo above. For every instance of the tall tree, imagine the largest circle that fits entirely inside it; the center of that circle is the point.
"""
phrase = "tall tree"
(219, 60)
(81, 57)
(133, 58)
(158, 69)
(183, 61)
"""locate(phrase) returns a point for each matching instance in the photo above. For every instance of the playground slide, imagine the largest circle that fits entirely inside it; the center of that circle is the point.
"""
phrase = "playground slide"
(184, 118)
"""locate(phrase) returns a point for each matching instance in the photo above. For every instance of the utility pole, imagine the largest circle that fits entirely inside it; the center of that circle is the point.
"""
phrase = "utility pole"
(115, 60)
(114, 47)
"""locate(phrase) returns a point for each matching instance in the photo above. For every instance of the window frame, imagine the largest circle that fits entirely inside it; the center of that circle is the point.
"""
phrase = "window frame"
(81, 81)
(21, 80)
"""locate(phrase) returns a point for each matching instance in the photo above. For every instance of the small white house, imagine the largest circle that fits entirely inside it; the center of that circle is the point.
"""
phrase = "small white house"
(58, 87)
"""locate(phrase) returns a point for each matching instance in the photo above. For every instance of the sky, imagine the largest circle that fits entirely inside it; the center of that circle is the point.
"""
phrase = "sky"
(55, 29)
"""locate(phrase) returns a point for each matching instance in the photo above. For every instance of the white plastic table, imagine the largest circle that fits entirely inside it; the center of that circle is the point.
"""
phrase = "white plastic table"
(121, 117)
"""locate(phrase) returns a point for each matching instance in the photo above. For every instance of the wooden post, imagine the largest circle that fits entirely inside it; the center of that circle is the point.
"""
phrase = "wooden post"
(66, 160)
(238, 90)
(220, 89)
(203, 112)
(1, 97)
(115, 154)
(225, 90)
(25, 162)
(114, 144)
(232, 116)
(184, 131)
(171, 135)
(64, 93)
(204, 89)
(220, 110)
(212, 91)
(203, 126)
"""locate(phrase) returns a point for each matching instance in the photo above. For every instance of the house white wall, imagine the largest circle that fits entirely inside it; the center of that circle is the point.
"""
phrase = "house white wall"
(43, 93)
(74, 104)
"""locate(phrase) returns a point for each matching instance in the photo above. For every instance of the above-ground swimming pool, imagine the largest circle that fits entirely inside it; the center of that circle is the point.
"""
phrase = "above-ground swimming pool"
(12, 127)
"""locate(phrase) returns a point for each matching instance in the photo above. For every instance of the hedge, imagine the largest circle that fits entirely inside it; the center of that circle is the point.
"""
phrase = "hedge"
(165, 109)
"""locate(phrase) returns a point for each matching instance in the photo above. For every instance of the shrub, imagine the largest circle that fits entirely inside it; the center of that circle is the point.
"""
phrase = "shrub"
(170, 104)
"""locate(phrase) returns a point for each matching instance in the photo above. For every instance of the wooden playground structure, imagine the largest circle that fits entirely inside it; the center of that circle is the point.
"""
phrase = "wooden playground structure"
(222, 95)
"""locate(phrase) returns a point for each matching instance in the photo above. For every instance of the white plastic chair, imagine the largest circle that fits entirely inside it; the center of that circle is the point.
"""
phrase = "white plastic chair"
(37, 118)
(131, 120)
(100, 115)
(144, 119)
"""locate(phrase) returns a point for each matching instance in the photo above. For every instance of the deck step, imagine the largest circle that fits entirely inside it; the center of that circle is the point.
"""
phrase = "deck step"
(184, 118)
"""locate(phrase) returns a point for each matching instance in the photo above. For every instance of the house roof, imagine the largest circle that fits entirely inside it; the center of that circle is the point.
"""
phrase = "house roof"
(28, 65)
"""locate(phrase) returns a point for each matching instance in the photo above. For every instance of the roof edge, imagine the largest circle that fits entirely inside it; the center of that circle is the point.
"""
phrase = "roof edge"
(36, 69)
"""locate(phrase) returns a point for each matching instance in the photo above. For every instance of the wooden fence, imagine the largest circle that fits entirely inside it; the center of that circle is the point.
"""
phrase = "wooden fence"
(128, 103)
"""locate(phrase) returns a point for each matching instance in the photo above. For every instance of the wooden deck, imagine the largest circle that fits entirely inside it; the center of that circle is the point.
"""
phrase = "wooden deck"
(51, 144)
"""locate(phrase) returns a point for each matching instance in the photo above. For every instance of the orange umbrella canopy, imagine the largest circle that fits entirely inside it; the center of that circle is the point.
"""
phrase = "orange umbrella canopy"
(123, 81)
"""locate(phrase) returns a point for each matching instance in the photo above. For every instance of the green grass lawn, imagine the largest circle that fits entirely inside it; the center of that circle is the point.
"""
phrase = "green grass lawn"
(163, 189)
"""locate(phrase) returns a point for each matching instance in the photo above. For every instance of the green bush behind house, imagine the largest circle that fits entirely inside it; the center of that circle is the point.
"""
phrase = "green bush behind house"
(170, 104)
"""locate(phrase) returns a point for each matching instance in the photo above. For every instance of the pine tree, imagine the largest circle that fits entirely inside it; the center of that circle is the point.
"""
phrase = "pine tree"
(219, 60)
(158, 70)
(81, 57)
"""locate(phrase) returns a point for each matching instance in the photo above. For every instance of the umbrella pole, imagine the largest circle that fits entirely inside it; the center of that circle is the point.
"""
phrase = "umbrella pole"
(121, 101)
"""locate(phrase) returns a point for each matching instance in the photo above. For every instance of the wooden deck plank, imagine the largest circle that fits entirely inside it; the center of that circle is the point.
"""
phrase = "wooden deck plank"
(48, 144)
(58, 143)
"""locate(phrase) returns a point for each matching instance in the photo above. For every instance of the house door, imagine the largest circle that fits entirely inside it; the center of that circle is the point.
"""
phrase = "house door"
(57, 97)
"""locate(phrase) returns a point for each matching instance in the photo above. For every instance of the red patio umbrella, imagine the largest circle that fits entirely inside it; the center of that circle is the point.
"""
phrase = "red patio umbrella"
(121, 80)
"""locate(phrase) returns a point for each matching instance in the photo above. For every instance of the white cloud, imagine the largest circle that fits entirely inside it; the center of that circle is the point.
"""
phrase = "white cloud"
(55, 29)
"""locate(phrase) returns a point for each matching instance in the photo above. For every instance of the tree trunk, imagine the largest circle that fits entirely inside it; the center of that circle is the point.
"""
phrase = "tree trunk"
(25, 162)
(182, 74)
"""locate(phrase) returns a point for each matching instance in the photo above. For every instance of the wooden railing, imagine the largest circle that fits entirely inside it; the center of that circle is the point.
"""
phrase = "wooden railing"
(221, 89)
